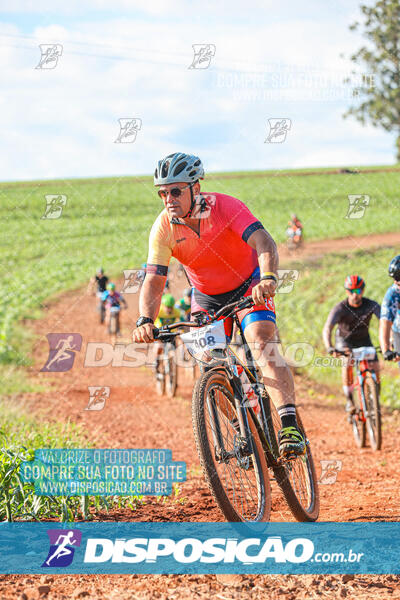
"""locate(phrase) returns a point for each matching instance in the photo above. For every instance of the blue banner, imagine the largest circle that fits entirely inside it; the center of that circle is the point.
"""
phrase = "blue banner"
(187, 548)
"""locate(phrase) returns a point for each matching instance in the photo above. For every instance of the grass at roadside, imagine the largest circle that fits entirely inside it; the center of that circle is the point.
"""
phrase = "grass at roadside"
(20, 435)
(303, 311)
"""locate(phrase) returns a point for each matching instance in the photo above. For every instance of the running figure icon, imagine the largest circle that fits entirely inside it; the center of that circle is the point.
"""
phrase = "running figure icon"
(63, 543)
(62, 549)
(63, 347)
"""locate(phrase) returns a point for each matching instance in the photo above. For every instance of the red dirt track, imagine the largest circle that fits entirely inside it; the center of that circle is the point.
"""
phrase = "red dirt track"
(135, 417)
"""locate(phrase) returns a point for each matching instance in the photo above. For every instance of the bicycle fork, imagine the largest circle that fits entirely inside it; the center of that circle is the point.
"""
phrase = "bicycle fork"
(242, 443)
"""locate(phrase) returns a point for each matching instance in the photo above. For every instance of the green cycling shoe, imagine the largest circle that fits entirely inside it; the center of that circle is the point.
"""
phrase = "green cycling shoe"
(291, 442)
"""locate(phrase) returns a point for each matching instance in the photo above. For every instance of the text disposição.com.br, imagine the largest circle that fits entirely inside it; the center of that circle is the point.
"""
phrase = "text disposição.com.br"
(211, 550)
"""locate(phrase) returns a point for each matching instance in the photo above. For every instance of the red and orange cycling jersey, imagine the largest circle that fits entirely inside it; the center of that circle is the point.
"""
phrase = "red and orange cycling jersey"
(218, 258)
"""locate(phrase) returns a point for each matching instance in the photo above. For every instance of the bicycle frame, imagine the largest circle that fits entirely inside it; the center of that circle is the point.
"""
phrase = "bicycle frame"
(239, 394)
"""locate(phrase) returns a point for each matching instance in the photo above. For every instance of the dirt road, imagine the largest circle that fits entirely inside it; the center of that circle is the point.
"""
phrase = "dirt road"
(366, 488)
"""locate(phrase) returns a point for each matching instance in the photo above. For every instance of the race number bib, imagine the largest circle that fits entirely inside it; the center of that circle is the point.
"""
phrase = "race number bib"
(202, 341)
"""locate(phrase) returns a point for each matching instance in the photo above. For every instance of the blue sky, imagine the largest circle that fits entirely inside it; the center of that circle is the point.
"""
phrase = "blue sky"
(272, 60)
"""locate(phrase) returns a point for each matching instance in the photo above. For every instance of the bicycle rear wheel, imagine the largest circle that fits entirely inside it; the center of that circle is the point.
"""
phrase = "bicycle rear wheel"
(113, 326)
(240, 484)
(296, 477)
(374, 425)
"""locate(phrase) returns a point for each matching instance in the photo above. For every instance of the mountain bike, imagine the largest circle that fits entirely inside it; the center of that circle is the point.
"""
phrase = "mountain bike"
(167, 370)
(236, 437)
(366, 417)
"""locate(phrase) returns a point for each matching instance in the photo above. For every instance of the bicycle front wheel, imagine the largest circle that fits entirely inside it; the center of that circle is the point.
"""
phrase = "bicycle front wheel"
(296, 477)
(171, 375)
(238, 480)
(358, 426)
(374, 425)
(160, 379)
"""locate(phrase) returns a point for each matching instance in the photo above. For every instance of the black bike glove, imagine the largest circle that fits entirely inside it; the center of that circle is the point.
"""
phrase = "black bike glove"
(389, 355)
(331, 350)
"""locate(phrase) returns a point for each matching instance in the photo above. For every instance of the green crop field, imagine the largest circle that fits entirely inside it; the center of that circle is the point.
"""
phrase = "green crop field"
(106, 222)
(303, 311)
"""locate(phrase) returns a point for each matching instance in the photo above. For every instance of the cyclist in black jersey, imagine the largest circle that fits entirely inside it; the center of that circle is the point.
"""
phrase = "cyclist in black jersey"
(352, 318)
(97, 286)
(100, 280)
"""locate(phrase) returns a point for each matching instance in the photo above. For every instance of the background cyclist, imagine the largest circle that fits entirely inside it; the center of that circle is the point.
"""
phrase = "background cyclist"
(113, 299)
(295, 228)
(167, 315)
(223, 248)
(352, 317)
(185, 303)
(98, 285)
(389, 325)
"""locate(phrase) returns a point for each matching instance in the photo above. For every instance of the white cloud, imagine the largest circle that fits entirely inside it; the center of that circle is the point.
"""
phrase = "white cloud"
(63, 122)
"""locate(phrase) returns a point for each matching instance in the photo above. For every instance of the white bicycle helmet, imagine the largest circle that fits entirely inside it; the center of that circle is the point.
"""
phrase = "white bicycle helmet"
(178, 167)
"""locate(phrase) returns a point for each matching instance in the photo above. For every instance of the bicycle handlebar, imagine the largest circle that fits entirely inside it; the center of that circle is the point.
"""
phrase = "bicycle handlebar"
(348, 351)
(166, 334)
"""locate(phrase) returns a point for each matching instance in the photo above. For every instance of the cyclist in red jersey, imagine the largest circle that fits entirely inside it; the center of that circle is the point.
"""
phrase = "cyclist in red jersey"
(227, 254)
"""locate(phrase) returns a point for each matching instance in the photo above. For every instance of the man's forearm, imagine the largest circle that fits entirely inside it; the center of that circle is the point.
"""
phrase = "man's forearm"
(266, 249)
(150, 295)
(385, 328)
(327, 336)
(268, 260)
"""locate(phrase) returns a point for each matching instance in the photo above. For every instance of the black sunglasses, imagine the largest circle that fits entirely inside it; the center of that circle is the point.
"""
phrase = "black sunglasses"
(175, 192)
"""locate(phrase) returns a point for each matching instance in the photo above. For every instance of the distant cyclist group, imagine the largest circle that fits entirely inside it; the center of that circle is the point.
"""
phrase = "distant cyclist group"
(110, 301)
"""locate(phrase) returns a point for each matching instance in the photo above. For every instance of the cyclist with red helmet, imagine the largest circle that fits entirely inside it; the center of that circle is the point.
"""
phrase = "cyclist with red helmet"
(352, 317)
(295, 228)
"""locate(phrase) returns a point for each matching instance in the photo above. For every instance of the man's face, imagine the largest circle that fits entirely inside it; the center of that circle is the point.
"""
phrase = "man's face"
(397, 284)
(169, 310)
(177, 206)
(355, 296)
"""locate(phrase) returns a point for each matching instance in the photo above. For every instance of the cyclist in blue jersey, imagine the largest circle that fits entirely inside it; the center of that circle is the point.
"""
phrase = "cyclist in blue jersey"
(390, 315)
